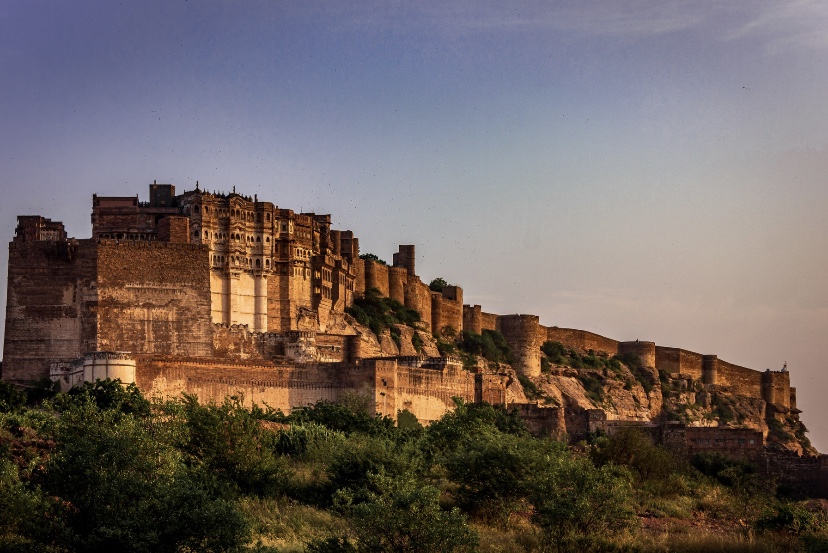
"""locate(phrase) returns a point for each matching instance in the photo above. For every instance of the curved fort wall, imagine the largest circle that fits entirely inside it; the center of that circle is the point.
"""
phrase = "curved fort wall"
(646, 351)
(522, 333)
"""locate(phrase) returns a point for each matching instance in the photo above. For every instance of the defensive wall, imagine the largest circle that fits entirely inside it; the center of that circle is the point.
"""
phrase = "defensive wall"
(393, 384)
(525, 335)
(52, 306)
(399, 282)
(154, 297)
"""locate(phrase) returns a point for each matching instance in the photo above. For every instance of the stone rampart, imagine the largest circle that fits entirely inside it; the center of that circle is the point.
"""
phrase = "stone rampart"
(397, 279)
(776, 389)
(646, 351)
(376, 276)
(522, 333)
(418, 297)
(425, 391)
(678, 361)
(740, 380)
(581, 340)
(445, 312)
(51, 307)
(154, 297)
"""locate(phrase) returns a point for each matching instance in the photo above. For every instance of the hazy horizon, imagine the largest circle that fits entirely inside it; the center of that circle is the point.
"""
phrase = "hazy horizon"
(642, 171)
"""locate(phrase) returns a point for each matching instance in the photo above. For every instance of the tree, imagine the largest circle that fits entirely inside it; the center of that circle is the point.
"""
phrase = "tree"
(494, 472)
(372, 257)
(404, 516)
(438, 284)
(230, 443)
(470, 420)
(577, 503)
(127, 491)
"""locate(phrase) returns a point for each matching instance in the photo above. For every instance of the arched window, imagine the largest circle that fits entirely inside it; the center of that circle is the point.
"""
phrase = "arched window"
(258, 239)
(268, 217)
(195, 209)
(258, 264)
(267, 238)
(206, 234)
(267, 263)
(258, 217)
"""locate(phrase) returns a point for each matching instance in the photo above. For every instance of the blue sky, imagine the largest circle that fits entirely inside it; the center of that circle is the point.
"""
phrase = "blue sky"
(650, 170)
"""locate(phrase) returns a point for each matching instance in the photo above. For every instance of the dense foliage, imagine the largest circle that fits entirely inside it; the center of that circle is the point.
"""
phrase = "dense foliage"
(103, 469)
(378, 313)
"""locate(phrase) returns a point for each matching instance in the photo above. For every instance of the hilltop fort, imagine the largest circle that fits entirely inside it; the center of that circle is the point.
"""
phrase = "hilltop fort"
(217, 294)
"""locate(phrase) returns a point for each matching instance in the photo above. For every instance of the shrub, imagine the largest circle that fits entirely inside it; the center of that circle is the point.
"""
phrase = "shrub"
(494, 472)
(594, 388)
(354, 416)
(378, 312)
(491, 345)
(130, 492)
(403, 516)
(437, 284)
(553, 349)
(575, 501)
(372, 257)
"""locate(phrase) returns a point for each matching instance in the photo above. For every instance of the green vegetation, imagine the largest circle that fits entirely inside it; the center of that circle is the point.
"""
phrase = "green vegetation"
(379, 313)
(104, 469)
(437, 284)
(372, 257)
(491, 345)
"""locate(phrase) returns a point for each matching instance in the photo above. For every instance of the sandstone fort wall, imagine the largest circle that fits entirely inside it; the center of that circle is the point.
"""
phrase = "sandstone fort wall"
(581, 340)
(51, 306)
(154, 297)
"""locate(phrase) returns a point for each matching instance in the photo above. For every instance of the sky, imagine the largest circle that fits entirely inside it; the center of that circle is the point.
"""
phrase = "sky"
(643, 170)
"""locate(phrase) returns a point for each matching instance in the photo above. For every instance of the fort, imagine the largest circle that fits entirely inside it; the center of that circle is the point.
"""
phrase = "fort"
(218, 294)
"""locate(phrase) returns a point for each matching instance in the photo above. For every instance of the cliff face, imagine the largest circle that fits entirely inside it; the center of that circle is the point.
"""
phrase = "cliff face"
(627, 391)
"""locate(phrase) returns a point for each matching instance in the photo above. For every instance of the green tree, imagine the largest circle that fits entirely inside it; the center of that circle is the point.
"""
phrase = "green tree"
(127, 491)
(230, 443)
(494, 472)
(372, 257)
(344, 417)
(577, 503)
(404, 516)
(632, 448)
(105, 395)
(363, 455)
(11, 399)
(469, 420)
(437, 284)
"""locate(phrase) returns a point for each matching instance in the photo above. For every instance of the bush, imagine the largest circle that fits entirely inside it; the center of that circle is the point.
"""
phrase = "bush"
(379, 313)
(490, 345)
(470, 420)
(347, 418)
(553, 349)
(107, 395)
(632, 448)
(403, 516)
(594, 388)
(11, 399)
(494, 473)
(372, 257)
(437, 284)
(363, 455)
(576, 501)
(228, 442)
(129, 492)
